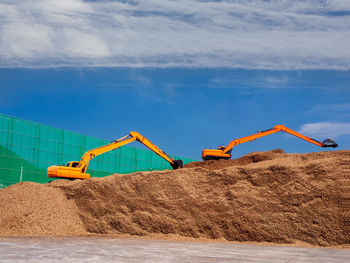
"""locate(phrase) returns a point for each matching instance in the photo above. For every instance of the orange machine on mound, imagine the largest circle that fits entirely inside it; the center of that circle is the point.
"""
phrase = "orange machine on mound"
(77, 170)
(224, 152)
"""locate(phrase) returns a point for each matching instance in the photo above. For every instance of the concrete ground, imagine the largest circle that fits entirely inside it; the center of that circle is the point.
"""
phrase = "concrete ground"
(69, 249)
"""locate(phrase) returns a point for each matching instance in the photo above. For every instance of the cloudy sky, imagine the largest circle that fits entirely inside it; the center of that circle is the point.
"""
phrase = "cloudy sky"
(199, 72)
(276, 34)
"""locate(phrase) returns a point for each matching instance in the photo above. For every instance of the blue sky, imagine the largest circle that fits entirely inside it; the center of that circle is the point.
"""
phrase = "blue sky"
(186, 74)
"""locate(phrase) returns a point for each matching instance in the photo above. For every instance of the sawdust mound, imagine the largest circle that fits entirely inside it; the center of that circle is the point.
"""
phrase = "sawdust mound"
(290, 199)
(35, 209)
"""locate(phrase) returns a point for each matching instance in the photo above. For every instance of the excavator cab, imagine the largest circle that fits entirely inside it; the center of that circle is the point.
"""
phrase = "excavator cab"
(210, 154)
(70, 171)
(72, 164)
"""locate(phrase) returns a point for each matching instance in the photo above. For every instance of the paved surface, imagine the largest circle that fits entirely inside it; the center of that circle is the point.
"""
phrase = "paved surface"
(130, 250)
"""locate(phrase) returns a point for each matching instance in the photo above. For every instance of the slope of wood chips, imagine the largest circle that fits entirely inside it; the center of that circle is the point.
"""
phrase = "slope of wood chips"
(262, 197)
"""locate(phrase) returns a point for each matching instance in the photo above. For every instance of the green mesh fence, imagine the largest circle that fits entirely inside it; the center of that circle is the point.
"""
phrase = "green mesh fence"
(28, 148)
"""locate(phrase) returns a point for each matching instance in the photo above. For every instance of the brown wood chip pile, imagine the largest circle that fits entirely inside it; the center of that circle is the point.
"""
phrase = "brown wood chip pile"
(31, 209)
(283, 198)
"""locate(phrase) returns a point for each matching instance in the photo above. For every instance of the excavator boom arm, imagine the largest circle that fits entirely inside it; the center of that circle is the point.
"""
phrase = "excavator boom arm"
(142, 139)
(151, 146)
(297, 134)
(84, 162)
(133, 136)
(248, 139)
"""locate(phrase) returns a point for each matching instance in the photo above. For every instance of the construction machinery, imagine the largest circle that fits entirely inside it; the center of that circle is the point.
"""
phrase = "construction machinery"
(77, 170)
(224, 152)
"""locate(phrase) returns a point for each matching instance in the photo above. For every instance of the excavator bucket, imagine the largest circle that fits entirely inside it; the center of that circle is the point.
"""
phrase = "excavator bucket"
(329, 143)
(177, 164)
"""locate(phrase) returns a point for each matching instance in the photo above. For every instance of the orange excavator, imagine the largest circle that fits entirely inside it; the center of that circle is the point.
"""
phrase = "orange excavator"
(224, 152)
(77, 170)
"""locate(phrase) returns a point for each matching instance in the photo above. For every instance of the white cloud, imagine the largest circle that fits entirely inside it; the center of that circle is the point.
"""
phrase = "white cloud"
(275, 34)
(85, 45)
(324, 129)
